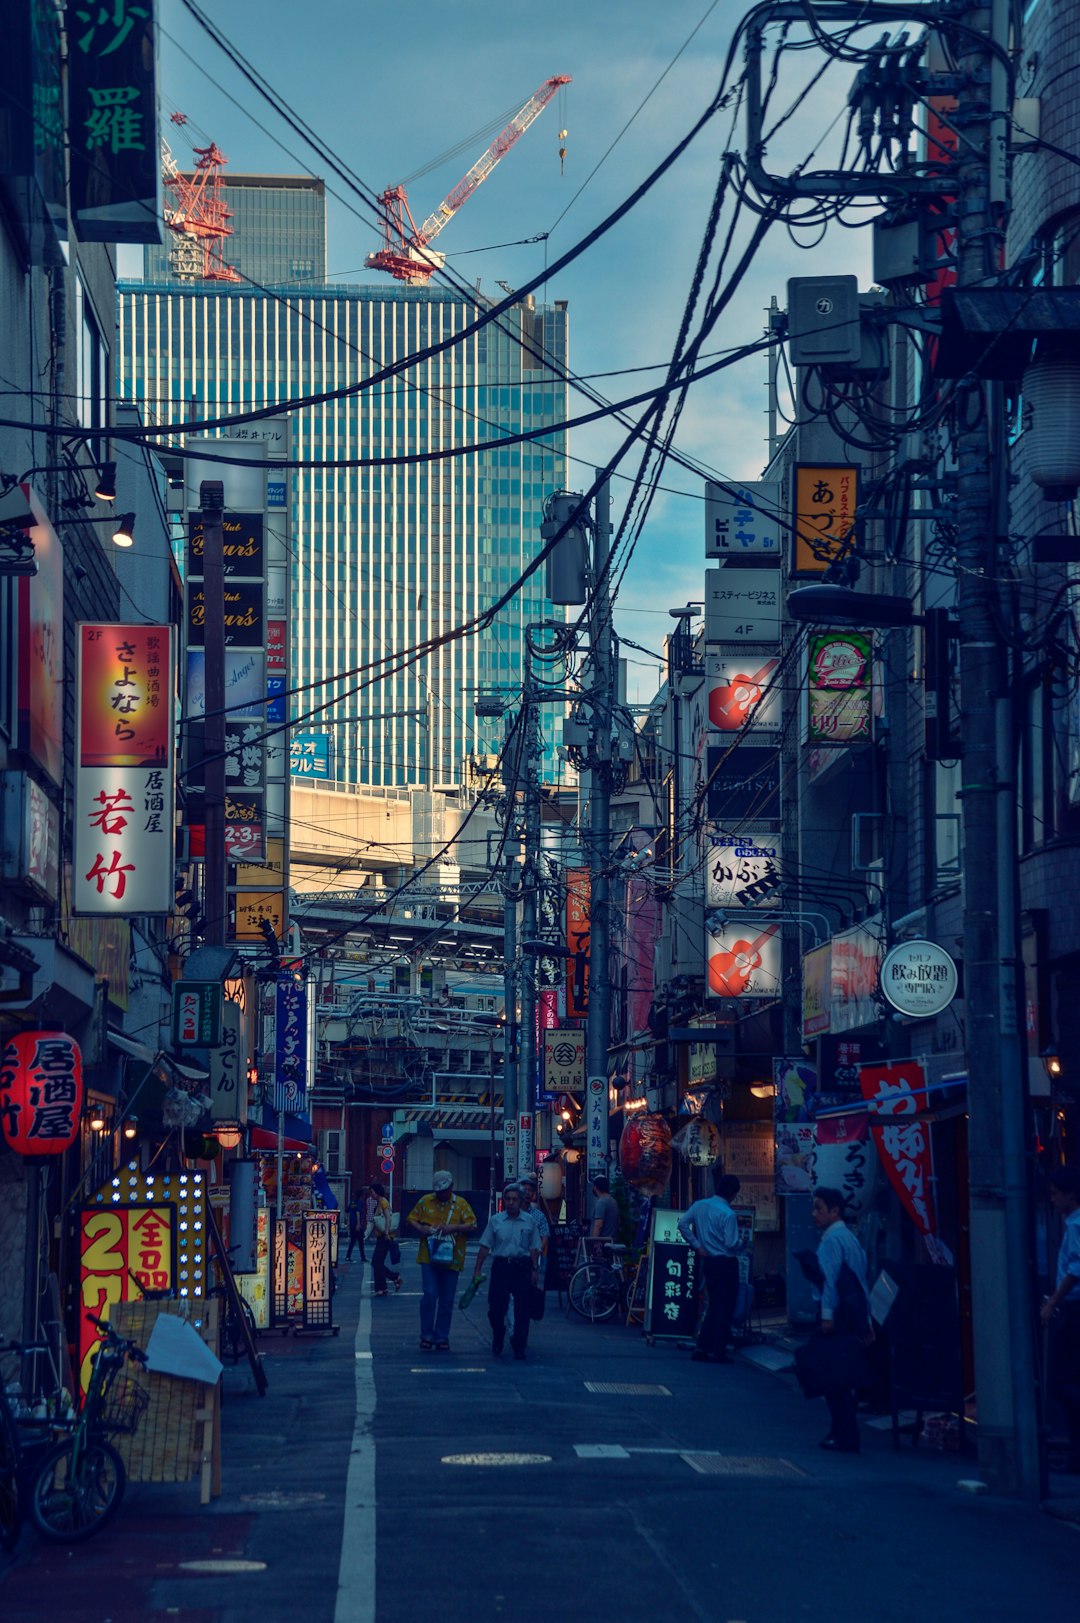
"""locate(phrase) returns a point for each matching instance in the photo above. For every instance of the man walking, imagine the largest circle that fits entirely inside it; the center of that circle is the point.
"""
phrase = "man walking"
(513, 1242)
(357, 1223)
(445, 1220)
(531, 1207)
(845, 1312)
(712, 1229)
(1061, 1311)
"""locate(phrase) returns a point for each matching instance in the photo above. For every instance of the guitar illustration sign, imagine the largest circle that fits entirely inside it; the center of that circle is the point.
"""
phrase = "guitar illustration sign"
(741, 964)
(740, 696)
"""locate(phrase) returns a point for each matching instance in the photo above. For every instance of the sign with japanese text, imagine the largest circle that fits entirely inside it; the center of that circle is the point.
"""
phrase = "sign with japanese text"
(318, 1285)
(742, 605)
(701, 1057)
(853, 976)
(671, 1304)
(839, 687)
(743, 782)
(243, 552)
(596, 1125)
(918, 978)
(309, 755)
(196, 1014)
(743, 520)
(825, 501)
(116, 1242)
(564, 1061)
(817, 990)
(897, 1097)
(290, 1049)
(742, 962)
(113, 121)
(526, 1141)
(844, 1158)
(41, 1092)
(744, 691)
(253, 907)
(743, 872)
(578, 932)
(510, 1148)
(750, 1153)
(244, 618)
(228, 1068)
(124, 765)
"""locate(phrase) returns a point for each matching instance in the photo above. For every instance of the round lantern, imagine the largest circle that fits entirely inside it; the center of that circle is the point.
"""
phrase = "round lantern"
(551, 1180)
(41, 1092)
(1052, 437)
(698, 1142)
(645, 1153)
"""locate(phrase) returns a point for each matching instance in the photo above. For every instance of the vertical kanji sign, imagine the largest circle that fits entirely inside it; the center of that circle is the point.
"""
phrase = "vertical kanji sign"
(41, 1092)
(898, 1098)
(825, 503)
(113, 121)
(290, 1068)
(578, 892)
(124, 795)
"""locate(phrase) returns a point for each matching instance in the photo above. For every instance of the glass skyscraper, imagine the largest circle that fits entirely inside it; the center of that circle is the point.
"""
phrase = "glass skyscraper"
(278, 232)
(391, 557)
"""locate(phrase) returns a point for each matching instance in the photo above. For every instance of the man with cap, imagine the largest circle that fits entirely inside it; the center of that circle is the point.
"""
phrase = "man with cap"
(443, 1220)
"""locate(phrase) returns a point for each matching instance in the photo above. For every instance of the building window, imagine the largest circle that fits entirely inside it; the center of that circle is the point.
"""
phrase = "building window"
(92, 368)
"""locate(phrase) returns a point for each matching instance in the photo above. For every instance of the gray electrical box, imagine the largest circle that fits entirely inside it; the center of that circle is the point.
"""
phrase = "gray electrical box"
(823, 320)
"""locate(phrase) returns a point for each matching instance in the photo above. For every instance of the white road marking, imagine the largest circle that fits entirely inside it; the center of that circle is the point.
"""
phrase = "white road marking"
(356, 1574)
(600, 1451)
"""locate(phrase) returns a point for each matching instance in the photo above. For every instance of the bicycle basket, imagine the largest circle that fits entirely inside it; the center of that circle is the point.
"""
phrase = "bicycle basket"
(125, 1404)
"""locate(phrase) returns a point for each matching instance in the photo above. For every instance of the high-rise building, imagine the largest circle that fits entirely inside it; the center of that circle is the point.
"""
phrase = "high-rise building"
(390, 557)
(278, 226)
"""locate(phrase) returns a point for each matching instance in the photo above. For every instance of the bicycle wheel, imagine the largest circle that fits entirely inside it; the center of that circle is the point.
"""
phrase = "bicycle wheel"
(10, 1517)
(70, 1501)
(595, 1291)
(238, 1331)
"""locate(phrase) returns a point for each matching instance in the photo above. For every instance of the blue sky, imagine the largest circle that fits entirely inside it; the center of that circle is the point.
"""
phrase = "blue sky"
(390, 87)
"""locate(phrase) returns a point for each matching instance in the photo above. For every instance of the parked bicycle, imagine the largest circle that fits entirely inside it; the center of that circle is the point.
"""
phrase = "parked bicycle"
(79, 1485)
(601, 1287)
(22, 1428)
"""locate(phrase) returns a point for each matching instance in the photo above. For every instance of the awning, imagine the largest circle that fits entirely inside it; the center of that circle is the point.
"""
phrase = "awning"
(145, 1056)
(266, 1142)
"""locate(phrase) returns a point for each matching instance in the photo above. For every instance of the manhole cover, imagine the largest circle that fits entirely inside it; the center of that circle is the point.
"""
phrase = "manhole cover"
(275, 1500)
(496, 1459)
(629, 1389)
(222, 1566)
(741, 1465)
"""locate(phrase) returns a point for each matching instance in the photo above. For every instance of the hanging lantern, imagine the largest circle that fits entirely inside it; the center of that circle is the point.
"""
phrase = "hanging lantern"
(645, 1153)
(698, 1142)
(41, 1092)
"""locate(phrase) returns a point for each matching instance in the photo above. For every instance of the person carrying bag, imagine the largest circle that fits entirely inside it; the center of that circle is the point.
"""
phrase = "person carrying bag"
(386, 1247)
(443, 1220)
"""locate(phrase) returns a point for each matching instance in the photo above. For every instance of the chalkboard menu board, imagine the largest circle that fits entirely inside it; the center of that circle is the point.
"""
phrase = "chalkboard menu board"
(562, 1254)
(672, 1301)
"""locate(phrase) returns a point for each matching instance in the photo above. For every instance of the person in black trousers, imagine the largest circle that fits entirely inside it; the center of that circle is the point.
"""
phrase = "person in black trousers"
(381, 1223)
(357, 1223)
(712, 1229)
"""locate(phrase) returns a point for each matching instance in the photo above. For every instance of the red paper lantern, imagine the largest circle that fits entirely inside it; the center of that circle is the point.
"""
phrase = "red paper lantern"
(41, 1092)
(645, 1153)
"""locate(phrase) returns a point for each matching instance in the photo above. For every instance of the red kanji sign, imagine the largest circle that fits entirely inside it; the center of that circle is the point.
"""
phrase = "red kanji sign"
(41, 1092)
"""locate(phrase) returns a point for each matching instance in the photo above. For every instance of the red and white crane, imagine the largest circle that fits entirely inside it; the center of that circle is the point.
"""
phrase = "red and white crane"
(197, 214)
(406, 253)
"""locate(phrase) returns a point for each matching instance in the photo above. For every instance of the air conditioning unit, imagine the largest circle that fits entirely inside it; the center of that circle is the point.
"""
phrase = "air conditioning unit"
(332, 1152)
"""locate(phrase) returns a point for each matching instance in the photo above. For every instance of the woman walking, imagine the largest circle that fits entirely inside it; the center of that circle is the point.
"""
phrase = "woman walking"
(380, 1227)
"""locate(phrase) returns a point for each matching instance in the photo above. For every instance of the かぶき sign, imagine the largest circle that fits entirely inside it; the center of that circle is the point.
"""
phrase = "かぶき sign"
(41, 1092)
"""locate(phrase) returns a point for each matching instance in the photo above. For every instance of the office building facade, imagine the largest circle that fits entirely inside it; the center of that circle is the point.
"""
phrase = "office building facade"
(389, 558)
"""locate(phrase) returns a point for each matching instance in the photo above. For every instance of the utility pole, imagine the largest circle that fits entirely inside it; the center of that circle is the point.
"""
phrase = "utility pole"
(598, 841)
(530, 883)
(1001, 1284)
(511, 760)
(212, 503)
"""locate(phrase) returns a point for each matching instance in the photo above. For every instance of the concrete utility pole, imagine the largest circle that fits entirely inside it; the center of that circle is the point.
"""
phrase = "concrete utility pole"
(598, 842)
(212, 503)
(530, 884)
(511, 893)
(1001, 1282)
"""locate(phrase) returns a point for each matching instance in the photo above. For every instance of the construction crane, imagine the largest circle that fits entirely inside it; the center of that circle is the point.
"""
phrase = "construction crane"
(406, 253)
(197, 214)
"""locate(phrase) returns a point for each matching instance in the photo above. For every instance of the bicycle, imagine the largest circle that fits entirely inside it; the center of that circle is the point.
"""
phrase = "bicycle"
(238, 1330)
(20, 1430)
(599, 1288)
(79, 1485)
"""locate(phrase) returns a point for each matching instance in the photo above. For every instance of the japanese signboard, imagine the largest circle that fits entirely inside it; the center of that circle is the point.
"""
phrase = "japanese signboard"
(564, 1061)
(743, 872)
(742, 605)
(825, 501)
(245, 686)
(41, 1092)
(526, 1141)
(242, 545)
(124, 798)
(744, 782)
(817, 990)
(228, 1068)
(596, 1125)
(577, 942)
(196, 1014)
(113, 121)
(255, 906)
(742, 963)
(853, 976)
(290, 1055)
(750, 1153)
(701, 1062)
(318, 1282)
(33, 138)
(671, 1305)
(743, 520)
(744, 691)
(918, 978)
(510, 1147)
(898, 1098)
(309, 755)
(839, 687)
(844, 1158)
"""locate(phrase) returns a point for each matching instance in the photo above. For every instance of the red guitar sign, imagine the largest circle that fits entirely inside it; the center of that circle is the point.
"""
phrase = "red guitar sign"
(731, 704)
(731, 968)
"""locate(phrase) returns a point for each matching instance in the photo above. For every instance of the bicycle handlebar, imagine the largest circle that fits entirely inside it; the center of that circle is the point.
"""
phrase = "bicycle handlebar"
(131, 1349)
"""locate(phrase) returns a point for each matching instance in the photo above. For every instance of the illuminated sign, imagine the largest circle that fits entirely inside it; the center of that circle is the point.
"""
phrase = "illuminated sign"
(825, 501)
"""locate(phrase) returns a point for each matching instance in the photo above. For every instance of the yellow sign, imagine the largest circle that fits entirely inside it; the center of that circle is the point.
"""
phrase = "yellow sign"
(825, 502)
(258, 875)
(254, 905)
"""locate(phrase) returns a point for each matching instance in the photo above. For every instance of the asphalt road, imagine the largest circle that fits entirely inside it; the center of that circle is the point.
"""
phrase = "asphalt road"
(626, 1483)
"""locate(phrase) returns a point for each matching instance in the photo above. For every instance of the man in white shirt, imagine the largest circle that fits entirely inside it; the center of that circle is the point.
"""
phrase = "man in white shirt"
(1061, 1310)
(845, 1308)
(712, 1229)
(513, 1242)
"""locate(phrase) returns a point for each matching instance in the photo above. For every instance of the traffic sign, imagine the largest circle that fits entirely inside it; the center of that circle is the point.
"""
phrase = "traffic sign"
(387, 1165)
(388, 1130)
(389, 1150)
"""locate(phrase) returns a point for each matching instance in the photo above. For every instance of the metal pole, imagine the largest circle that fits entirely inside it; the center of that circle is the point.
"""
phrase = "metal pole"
(212, 501)
(510, 966)
(491, 1123)
(530, 883)
(1001, 1294)
(598, 845)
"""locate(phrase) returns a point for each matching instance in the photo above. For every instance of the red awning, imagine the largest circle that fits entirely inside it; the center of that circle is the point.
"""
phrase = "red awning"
(265, 1141)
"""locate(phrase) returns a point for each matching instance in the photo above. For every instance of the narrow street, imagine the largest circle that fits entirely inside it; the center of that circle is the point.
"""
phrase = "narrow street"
(632, 1484)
